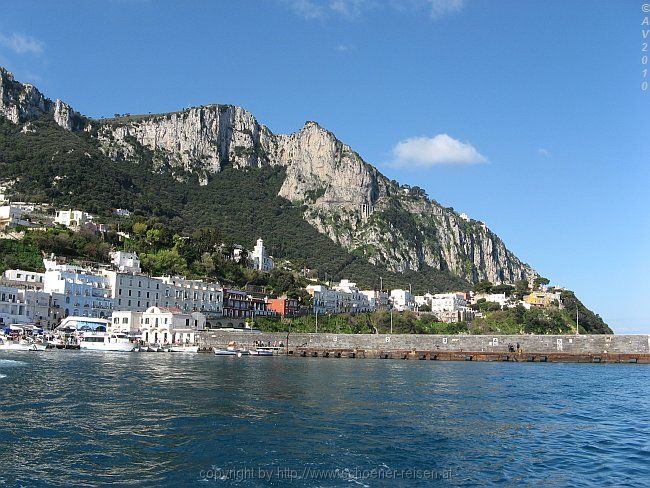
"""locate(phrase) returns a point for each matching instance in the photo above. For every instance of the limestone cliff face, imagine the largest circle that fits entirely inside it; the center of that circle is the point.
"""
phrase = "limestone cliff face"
(345, 198)
(21, 102)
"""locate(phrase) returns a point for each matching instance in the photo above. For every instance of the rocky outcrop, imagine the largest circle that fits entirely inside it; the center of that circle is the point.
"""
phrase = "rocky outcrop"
(21, 102)
(345, 198)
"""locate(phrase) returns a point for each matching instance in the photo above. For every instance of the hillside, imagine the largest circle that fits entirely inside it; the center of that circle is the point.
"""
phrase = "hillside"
(66, 168)
(308, 177)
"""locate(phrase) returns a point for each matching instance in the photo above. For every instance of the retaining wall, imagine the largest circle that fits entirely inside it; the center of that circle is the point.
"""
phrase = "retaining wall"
(565, 344)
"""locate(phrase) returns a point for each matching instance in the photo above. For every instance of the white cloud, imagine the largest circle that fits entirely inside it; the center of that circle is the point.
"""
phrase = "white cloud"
(352, 9)
(21, 43)
(309, 9)
(430, 151)
(344, 47)
(543, 152)
(441, 8)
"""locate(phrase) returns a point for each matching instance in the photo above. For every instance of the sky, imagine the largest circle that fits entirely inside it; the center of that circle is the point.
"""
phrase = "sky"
(527, 115)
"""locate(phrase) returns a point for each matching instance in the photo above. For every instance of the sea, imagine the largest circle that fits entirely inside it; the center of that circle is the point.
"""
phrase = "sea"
(71, 418)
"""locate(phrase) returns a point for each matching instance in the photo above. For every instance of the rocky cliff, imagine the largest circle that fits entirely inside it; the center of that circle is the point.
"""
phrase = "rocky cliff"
(344, 197)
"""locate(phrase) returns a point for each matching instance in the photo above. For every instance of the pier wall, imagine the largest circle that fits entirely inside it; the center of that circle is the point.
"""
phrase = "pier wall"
(495, 344)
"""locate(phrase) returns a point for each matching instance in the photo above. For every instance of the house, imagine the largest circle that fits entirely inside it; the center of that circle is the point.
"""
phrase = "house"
(137, 292)
(352, 300)
(126, 322)
(236, 304)
(20, 306)
(259, 259)
(283, 306)
(162, 325)
(12, 216)
(25, 279)
(378, 300)
(541, 299)
(85, 294)
(72, 218)
(402, 300)
(499, 298)
(343, 297)
(126, 262)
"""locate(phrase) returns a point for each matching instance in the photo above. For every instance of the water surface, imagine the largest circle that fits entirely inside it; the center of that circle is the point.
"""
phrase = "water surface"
(76, 418)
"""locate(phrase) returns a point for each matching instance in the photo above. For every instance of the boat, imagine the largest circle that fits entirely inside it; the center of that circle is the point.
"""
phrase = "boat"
(9, 345)
(224, 352)
(179, 348)
(261, 352)
(231, 350)
(104, 341)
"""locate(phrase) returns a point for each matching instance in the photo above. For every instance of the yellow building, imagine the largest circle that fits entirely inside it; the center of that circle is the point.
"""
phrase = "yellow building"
(541, 299)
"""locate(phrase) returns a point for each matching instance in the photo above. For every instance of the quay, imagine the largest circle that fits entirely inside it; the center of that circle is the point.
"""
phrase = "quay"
(584, 348)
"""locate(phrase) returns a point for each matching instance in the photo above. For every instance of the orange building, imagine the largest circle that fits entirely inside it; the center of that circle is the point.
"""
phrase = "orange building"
(286, 307)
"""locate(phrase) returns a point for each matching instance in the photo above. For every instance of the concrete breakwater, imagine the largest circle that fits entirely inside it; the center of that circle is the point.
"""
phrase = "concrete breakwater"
(542, 348)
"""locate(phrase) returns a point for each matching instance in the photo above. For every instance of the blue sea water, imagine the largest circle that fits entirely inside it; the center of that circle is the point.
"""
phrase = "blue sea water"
(150, 419)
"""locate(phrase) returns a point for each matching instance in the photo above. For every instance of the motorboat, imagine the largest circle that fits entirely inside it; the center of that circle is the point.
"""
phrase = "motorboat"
(261, 352)
(224, 352)
(21, 345)
(104, 341)
(186, 348)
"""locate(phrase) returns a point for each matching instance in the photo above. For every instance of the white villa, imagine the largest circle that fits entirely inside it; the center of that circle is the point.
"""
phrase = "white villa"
(402, 300)
(162, 325)
(259, 259)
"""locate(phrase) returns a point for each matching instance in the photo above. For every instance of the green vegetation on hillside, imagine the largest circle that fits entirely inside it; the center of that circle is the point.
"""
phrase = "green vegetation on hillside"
(363, 323)
(67, 169)
(548, 320)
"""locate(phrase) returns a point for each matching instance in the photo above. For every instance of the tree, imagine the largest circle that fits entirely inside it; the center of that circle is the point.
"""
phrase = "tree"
(537, 282)
(506, 289)
(521, 288)
(483, 286)
(424, 308)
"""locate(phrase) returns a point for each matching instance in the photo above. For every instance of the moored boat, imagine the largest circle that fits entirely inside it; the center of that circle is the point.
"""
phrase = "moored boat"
(187, 349)
(104, 341)
(261, 352)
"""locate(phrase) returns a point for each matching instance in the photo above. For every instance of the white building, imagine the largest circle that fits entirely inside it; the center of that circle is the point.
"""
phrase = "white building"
(26, 279)
(72, 218)
(12, 216)
(85, 294)
(18, 306)
(325, 301)
(353, 300)
(499, 298)
(259, 259)
(161, 325)
(193, 295)
(126, 262)
(379, 300)
(138, 292)
(122, 212)
(344, 297)
(126, 322)
(402, 300)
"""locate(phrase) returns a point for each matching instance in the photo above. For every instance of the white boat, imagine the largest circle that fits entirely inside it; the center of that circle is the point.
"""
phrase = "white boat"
(192, 349)
(22, 345)
(224, 352)
(103, 341)
(261, 352)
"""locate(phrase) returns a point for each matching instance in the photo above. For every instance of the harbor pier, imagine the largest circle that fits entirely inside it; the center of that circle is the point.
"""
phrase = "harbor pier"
(582, 348)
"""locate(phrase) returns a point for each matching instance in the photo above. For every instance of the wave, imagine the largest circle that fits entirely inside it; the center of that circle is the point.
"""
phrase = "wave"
(10, 363)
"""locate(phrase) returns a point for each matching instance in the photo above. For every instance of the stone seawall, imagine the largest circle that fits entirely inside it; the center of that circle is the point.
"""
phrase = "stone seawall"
(556, 347)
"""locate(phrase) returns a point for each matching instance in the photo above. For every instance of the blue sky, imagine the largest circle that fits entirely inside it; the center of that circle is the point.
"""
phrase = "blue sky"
(527, 115)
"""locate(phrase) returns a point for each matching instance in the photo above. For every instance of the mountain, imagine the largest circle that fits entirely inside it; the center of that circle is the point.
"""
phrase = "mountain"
(372, 219)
